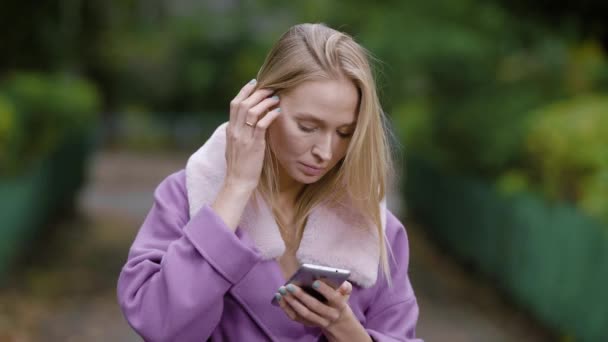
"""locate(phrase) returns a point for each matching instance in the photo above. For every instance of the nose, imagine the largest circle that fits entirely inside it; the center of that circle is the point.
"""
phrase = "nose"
(322, 149)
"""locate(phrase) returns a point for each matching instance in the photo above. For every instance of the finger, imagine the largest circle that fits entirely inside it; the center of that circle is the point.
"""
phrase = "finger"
(325, 311)
(334, 297)
(246, 90)
(242, 95)
(346, 288)
(288, 310)
(304, 313)
(253, 99)
(254, 113)
(264, 123)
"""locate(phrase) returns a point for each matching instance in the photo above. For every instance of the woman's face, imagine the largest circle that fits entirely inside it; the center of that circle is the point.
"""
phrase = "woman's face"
(313, 132)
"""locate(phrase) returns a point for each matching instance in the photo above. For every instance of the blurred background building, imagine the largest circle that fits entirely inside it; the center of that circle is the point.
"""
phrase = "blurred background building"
(500, 110)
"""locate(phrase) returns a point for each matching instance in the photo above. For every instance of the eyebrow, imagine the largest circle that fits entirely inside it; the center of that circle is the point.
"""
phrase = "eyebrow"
(309, 116)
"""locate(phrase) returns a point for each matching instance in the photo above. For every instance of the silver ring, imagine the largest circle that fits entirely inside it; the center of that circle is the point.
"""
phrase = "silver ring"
(249, 124)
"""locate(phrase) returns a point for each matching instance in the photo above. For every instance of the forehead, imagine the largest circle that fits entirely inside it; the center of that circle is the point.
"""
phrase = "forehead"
(333, 101)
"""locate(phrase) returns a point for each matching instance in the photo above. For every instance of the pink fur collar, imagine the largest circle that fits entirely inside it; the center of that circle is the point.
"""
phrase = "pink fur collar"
(330, 236)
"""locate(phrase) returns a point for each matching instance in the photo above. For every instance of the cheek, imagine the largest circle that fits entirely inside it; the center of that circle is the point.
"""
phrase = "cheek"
(296, 145)
(340, 150)
(287, 140)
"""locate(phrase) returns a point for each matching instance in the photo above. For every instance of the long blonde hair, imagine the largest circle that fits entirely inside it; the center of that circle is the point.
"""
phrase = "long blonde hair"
(312, 52)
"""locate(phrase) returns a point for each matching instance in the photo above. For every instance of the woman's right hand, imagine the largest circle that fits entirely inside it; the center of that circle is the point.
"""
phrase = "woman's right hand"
(250, 116)
(245, 147)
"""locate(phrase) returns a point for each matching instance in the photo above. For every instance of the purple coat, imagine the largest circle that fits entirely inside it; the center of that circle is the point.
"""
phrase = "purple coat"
(192, 279)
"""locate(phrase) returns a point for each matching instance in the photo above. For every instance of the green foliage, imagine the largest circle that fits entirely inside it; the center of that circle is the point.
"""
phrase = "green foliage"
(587, 69)
(8, 132)
(469, 92)
(144, 133)
(567, 152)
(462, 79)
(477, 80)
(45, 109)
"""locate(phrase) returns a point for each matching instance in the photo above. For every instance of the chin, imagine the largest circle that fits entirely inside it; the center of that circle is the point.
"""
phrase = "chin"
(303, 178)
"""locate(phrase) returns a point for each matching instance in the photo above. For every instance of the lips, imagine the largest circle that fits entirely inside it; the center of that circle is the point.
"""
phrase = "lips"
(311, 170)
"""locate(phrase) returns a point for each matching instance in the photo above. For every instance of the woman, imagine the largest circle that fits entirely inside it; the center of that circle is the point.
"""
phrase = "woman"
(298, 175)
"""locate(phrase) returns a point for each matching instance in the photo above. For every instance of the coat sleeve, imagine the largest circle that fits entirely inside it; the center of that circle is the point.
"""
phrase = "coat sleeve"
(394, 312)
(177, 271)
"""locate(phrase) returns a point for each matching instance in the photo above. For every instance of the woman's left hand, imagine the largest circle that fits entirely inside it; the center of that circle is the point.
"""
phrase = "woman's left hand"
(335, 318)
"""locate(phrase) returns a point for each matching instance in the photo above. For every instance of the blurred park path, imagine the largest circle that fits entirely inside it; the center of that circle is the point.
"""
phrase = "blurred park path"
(65, 291)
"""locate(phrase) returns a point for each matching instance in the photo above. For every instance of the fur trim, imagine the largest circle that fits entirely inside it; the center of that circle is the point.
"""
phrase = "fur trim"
(330, 236)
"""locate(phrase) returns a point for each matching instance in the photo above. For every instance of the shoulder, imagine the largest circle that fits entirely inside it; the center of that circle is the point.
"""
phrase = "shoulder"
(173, 185)
(397, 242)
(171, 194)
(398, 289)
(395, 230)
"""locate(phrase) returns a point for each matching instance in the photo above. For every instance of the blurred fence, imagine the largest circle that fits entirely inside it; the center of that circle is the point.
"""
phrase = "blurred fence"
(549, 257)
(48, 125)
(29, 200)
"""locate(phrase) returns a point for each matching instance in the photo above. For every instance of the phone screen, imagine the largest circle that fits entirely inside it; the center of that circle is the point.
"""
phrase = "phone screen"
(311, 291)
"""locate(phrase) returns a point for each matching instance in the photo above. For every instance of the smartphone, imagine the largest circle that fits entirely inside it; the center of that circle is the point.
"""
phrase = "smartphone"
(308, 273)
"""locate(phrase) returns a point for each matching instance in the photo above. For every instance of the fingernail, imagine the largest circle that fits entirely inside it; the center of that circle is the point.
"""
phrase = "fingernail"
(277, 296)
(279, 110)
(291, 288)
(275, 97)
(253, 81)
(282, 290)
(316, 284)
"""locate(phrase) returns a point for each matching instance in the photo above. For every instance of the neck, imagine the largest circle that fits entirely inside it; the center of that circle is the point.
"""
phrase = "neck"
(288, 187)
(285, 215)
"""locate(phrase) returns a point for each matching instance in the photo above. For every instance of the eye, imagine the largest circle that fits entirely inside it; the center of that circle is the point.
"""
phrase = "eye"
(345, 135)
(306, 129)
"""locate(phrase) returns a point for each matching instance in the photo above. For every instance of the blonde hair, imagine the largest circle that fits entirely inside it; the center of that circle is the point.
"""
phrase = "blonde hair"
(311, 52)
